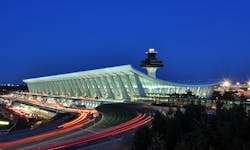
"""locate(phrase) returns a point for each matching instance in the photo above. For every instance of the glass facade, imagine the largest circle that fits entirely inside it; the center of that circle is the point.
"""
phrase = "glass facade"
(121, 82)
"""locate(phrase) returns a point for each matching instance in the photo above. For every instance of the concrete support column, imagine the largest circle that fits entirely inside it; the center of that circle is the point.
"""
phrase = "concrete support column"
(55, 90)
(52, 90)
(139, 85)
(60, 86)
(80, 87)
(86, 89)
(97, 90)
(117, 93)
(73, 89)
(42, 87)
(91, 89)
(34, 87)
(38, 87)
(122, 87)
(67, 87)
(49, 88)
(102, 87)
(76, 87)
(109, 90)
(47, 85)
(63, 89)
(31, 88)
(130, 86)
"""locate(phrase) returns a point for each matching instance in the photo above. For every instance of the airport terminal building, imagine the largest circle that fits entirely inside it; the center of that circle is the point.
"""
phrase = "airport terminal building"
(119, 82)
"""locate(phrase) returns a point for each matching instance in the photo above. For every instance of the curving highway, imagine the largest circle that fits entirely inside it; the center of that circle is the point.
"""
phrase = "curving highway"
(134, 123)
(116, 119)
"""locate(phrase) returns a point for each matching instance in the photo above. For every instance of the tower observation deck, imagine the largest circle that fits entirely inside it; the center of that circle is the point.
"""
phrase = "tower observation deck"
(151, 63)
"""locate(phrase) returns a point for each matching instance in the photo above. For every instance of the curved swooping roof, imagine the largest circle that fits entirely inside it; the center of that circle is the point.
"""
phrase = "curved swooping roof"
(117, 70)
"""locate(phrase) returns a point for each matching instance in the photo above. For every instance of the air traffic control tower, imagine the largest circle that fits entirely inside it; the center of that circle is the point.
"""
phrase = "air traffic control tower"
(151, 63)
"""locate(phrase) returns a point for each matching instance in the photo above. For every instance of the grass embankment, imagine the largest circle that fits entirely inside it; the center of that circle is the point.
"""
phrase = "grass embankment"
(114, 114)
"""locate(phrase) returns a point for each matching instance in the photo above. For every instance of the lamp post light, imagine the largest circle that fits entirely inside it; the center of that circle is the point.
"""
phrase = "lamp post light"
(226, 84)
(237, 86)
(248, 83)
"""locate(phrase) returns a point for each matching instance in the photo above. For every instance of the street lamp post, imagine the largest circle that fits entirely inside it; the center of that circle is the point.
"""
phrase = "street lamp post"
(226, 86)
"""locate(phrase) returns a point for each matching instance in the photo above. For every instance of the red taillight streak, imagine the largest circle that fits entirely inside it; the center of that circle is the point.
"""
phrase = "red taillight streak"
(140, 116)
(104, 134)
(79, 124)
(138, 121)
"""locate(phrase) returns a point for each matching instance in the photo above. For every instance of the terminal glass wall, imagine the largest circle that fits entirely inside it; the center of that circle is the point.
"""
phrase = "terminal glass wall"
(126, 83)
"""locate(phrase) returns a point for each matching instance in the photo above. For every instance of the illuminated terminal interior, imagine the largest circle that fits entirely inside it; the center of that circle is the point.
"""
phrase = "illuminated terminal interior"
(117, 83)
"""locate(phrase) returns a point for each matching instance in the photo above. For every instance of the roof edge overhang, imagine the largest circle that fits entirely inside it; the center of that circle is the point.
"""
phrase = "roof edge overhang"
(76, 74)
(178, 84)
(110, 70)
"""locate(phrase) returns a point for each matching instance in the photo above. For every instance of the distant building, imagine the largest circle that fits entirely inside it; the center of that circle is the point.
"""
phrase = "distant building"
(7, 88)
(120, 82)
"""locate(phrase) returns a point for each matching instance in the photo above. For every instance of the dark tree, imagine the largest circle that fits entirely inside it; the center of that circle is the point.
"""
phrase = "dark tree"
(229, 95)
(216, 95)
(143, 138)
(219, 105)
(196, 130)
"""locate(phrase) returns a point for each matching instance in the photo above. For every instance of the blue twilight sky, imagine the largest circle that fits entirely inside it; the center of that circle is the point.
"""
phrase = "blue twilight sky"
(197, 40)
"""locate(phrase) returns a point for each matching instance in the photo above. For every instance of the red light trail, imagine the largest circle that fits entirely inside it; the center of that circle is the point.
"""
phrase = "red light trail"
(129, 125)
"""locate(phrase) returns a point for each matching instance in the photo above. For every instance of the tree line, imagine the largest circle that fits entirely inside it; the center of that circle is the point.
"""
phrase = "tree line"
(195, 129)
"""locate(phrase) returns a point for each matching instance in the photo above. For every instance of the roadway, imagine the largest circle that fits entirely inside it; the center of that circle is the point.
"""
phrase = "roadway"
(61, 130)
(78, 132)
(81, 136)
